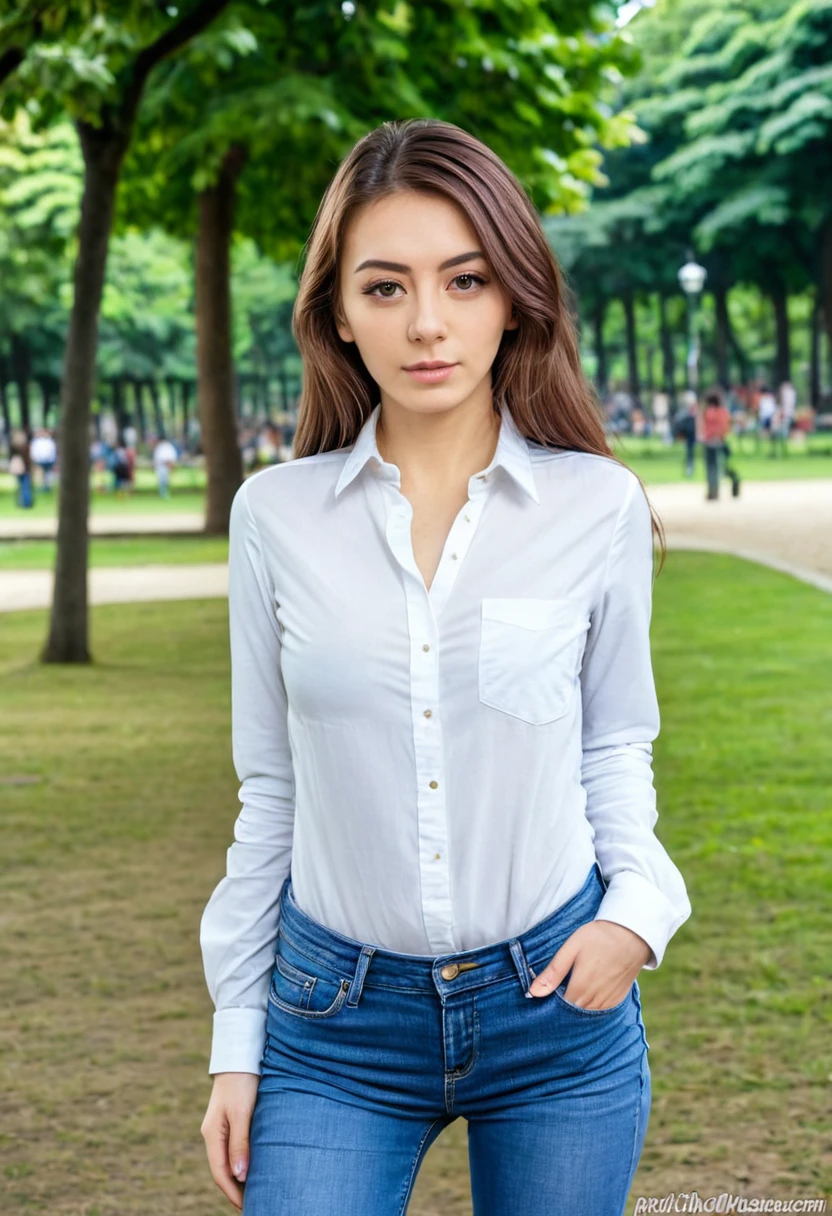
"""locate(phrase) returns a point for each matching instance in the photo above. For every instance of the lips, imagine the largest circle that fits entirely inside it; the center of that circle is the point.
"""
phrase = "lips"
(434, 374)
(420, 367)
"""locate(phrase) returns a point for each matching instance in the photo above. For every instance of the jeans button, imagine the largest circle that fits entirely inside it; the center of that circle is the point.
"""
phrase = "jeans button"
(450, 971)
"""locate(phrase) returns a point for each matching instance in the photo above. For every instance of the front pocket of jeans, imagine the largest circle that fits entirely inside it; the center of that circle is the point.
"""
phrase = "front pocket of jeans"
(590, 1013)
(529, 659)
(304, 993)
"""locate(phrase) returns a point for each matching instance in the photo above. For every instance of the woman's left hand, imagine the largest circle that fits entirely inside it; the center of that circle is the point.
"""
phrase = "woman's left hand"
(605, 958)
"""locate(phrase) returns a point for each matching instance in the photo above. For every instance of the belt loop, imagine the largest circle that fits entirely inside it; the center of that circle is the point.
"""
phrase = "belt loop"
(524, 970)
(357, 985)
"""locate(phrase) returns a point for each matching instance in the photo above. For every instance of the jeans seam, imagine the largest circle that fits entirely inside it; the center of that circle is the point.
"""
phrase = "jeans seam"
(639, 1100)
(415, 1166)
(458, 1076)
(311, 1014)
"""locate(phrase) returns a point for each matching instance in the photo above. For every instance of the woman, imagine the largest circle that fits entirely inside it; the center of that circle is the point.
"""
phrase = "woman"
(442, 716)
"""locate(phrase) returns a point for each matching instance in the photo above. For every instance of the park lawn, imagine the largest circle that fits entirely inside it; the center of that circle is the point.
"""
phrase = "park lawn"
(660, 464)
(177, 550)
(114, 849)
(145, 501)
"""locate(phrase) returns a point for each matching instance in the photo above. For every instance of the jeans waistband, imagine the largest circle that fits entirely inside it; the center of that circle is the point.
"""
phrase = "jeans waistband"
(445, 973)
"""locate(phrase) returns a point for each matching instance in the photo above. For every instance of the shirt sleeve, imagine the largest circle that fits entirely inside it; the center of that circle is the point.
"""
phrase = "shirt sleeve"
(645, 891)
(238, 930)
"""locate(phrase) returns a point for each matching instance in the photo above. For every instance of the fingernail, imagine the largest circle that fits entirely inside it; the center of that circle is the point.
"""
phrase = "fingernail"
(240, 1170)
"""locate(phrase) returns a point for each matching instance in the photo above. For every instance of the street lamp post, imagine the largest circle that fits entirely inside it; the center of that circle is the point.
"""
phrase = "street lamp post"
(692, 279)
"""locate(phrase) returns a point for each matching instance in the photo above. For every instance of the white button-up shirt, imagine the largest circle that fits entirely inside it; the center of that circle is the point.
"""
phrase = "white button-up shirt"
(441, 767)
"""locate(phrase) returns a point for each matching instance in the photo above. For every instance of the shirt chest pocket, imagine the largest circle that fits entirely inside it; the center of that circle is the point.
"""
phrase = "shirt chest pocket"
(530, 655)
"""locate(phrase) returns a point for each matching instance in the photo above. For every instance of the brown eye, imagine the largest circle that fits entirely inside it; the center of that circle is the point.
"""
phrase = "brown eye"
(374, 287)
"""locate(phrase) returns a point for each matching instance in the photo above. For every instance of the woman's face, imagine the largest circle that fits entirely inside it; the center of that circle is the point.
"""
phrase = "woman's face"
(415, 308)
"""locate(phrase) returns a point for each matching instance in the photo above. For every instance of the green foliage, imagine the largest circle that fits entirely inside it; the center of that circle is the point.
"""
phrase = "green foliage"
(40, 190)
(533, 81)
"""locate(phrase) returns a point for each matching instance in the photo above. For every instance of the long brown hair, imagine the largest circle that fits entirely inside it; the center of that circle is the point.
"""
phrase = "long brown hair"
(537, 370)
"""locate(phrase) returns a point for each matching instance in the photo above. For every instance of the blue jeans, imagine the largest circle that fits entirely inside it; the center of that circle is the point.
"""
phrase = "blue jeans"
(371, 1053)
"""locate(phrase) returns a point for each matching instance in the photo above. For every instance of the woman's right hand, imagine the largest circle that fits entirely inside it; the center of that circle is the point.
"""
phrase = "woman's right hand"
(225, 1130)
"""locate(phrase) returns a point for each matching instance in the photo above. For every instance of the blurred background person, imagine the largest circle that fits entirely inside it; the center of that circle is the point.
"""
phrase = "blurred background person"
(44, 453)
(165, 457)
(120, 467)
(766, 409)
(714, 432)
(783, 420)
(685, 426)
(20, 466)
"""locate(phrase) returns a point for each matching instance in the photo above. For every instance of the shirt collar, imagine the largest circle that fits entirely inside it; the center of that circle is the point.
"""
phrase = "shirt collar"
(511, 454)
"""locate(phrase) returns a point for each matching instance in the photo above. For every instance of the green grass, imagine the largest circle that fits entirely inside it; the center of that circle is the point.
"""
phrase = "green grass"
(110, 855)
(659, 464)
(142, 502)
(104, 551)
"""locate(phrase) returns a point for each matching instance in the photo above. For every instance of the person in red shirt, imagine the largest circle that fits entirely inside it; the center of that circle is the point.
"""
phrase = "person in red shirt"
(715, 428)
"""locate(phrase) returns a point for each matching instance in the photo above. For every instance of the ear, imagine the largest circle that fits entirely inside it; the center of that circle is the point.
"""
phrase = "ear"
(344, 331)
(513, 321)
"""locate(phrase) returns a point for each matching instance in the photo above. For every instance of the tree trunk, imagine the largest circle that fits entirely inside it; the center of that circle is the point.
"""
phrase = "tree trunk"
(138, 398)
(668, 355)
(601, 369)
(4, 405)
(185, 393)
(67, 641)
(215, 367)
(814, 353)
(632, 347)
(117, 390)
(158, 418)
(739, 354)
(21, 366)
(45, 386)
(723, 324)
(782, 356)
(826, 280)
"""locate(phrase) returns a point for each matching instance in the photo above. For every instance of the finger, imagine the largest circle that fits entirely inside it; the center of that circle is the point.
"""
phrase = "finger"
(552, 974)
(238, 1151)
(216, 1145)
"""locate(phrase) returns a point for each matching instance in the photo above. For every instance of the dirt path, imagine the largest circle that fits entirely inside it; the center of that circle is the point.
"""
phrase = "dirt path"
(790, 520)
(20, 527)
(118, 585)
(784, 524)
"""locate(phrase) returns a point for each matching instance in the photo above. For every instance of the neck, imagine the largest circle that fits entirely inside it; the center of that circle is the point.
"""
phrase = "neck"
(437, 450)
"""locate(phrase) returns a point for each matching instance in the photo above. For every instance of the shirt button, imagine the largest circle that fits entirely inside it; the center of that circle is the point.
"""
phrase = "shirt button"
(467, 519)
(453, 557)
(425, 646)
(428, 713)
(436, 857)
(434, 785)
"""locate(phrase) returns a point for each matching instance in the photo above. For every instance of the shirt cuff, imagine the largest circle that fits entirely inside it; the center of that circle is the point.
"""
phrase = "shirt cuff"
(238, 1041)
(634, 902)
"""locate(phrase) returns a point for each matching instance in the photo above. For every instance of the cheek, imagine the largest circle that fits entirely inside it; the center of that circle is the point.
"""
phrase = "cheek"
(378, 339)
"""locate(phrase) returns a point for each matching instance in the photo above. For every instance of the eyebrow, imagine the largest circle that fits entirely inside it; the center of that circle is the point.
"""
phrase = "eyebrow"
(402, 269)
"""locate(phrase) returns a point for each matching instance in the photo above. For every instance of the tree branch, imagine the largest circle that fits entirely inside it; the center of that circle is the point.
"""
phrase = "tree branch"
(192, 23)
(10, 60)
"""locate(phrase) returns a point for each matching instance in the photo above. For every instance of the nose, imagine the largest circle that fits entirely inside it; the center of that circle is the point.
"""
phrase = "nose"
(427, 325)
